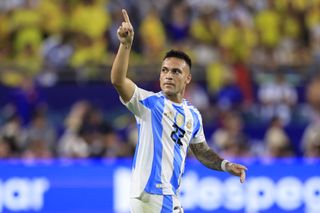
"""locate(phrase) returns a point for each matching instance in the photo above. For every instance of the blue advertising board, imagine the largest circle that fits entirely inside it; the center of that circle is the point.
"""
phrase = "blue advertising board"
(85, 186)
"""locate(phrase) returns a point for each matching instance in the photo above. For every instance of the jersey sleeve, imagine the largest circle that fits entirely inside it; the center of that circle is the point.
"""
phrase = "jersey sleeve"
(135, 103)
(198, 136)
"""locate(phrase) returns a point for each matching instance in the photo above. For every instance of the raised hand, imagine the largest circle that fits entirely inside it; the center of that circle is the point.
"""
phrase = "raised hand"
(125, 31)
(237, 170)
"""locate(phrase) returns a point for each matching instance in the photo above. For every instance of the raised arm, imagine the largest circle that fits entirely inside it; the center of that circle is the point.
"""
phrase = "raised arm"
(123, 85)
(212, 160)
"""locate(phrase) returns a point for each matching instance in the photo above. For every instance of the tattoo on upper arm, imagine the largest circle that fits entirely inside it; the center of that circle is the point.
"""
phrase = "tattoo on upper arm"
(206, 155)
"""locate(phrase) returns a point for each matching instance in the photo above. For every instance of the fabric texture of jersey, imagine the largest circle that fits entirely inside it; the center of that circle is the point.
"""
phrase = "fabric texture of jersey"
(165, 130)
(152, 203)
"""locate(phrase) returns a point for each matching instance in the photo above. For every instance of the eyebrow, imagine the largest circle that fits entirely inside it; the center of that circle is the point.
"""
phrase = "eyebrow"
(174, 69)
(177, 69)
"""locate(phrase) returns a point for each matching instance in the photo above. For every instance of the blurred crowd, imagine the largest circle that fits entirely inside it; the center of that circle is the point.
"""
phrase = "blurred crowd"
(46, 35)
(85, 134)
(28, 129)
(244, 47)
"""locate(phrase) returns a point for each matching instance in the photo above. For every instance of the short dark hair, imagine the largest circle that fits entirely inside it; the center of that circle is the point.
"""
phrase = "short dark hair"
(178, 54)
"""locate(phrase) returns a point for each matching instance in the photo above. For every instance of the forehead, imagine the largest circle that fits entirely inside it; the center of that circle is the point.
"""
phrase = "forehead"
(175, 63)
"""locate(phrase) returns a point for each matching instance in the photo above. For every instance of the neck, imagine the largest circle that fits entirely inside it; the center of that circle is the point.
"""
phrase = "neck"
(177, 98)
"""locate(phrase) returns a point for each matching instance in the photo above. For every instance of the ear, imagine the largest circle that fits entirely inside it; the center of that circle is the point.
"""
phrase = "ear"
(189, 77)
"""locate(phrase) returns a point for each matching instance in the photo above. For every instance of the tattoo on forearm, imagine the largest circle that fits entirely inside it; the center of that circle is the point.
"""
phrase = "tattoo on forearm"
(206, 156)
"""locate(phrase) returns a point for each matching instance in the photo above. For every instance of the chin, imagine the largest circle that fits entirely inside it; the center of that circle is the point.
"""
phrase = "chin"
(168, 92)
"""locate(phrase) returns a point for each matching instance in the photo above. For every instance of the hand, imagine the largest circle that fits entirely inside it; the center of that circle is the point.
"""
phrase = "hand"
(125, 31)
(237, 170)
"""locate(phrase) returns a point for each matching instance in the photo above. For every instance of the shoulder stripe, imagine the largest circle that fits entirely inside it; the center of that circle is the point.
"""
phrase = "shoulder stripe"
(196, 121)
(150, 101)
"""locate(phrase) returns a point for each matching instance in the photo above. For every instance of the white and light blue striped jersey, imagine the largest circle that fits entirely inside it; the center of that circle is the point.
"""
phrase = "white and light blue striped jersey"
(165, 130)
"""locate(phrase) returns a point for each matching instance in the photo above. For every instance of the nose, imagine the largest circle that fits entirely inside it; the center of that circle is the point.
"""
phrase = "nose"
(169, 75)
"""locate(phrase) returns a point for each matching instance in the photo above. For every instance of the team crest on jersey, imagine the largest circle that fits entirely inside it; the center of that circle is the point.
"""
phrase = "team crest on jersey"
(189, 124)
(180, 119)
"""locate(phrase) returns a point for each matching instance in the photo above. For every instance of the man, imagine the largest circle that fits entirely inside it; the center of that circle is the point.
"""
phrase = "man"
(167, 126)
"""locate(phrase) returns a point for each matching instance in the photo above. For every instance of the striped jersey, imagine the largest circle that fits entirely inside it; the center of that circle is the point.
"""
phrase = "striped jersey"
(165, 130)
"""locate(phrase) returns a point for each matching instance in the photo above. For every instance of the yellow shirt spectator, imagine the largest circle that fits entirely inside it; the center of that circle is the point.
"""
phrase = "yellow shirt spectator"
(90, 19)
(268, 25)
(215, 76)
(301, 5)
(205, 29)
(24, 17)
(298, 5)
(313, 17)
(152, 33)
(30, 59)
(26, 23)
(88, 52)
(52, 16)
(28, 36)
(238, 39)
(4, 26)
(291, 26)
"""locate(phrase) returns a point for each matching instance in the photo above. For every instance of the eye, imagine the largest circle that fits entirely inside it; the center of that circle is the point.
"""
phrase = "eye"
(176, 71)
(163, 69)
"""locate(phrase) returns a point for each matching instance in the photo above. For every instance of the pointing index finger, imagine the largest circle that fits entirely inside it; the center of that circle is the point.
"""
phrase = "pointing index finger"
(242, 176)
(125, 16)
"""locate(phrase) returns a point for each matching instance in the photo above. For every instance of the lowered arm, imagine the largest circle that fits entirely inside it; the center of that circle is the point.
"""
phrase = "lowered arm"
(213, 161)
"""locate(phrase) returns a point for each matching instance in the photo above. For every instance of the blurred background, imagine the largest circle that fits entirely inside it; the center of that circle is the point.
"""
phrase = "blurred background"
(256, 81)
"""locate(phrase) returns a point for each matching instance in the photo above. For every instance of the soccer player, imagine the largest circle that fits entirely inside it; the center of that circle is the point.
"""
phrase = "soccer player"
(167, 125)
